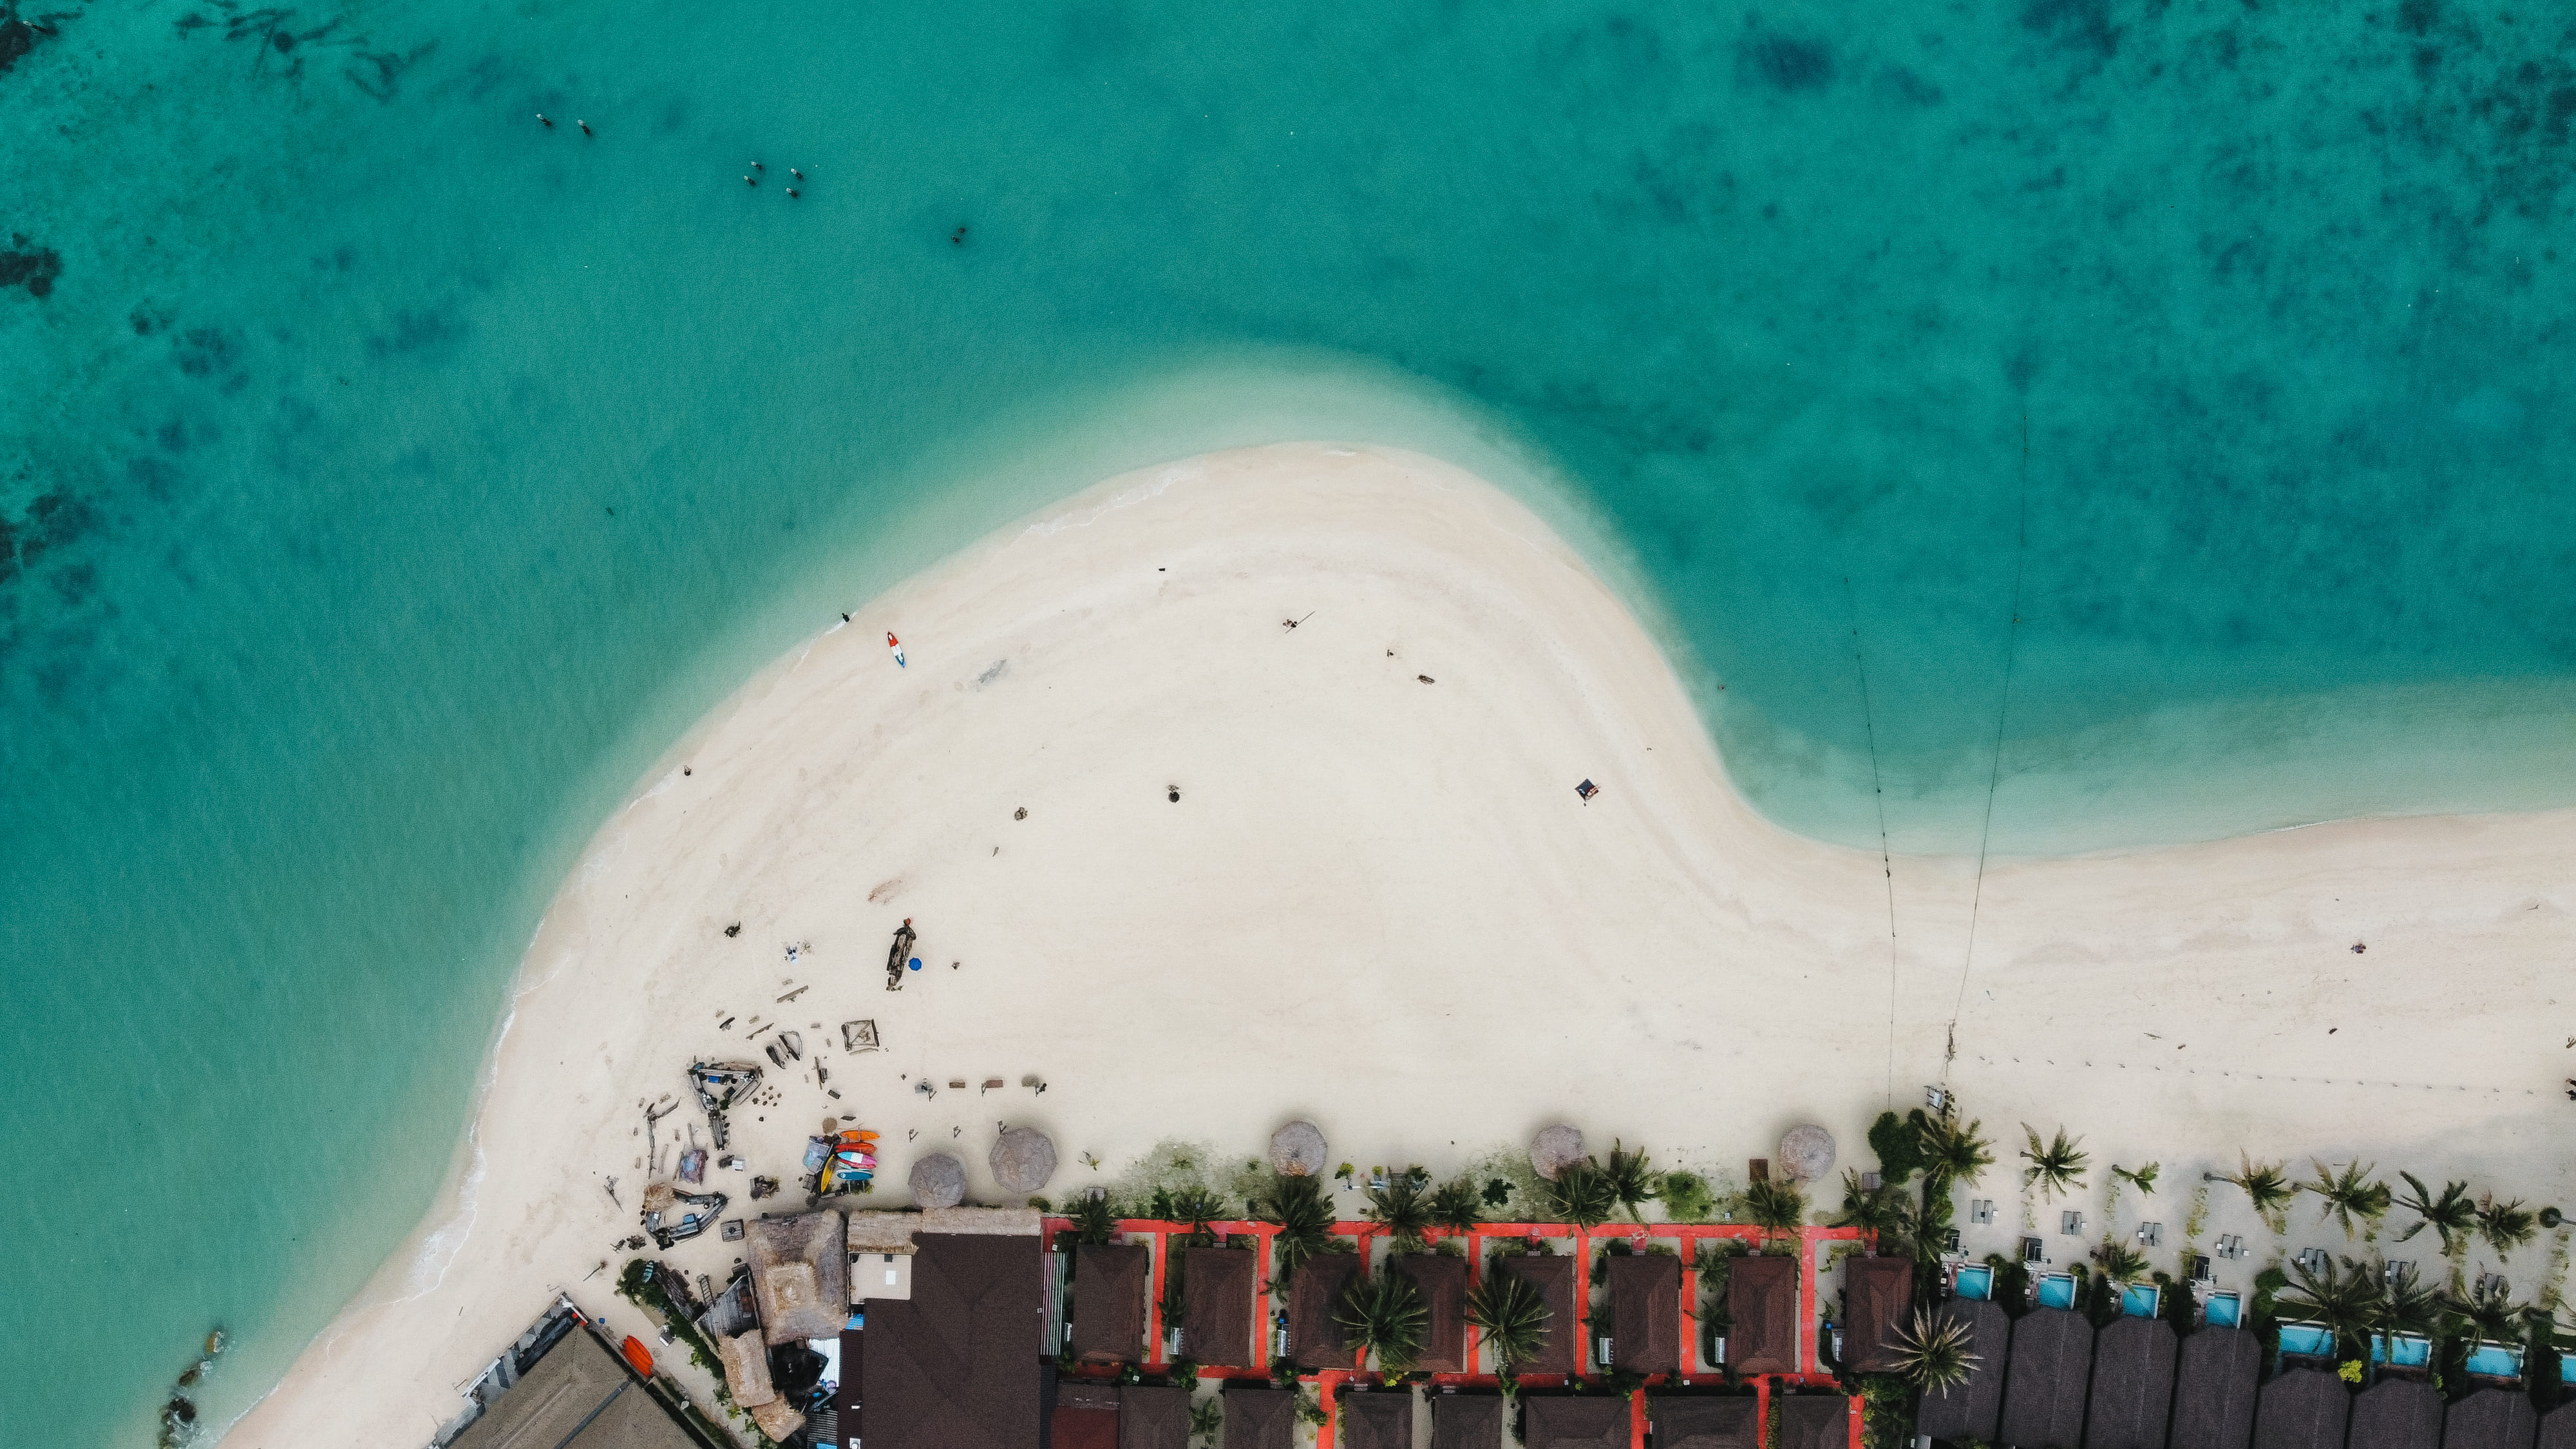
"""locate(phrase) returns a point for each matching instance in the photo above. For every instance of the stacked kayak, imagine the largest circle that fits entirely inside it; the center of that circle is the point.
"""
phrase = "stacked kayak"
(851, 1163)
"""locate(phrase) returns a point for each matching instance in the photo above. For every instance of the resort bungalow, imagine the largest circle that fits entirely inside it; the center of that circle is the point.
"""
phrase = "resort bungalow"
(1878, 1296)
(1467, 1421)
(2558, 1428)
(1314, 1291)
(2304, 1408)
(1562, 1353)
(2216, 1376)
(1377, 1419)
(1645, 1313)
(800, 1284)
(1972, 1409)
(578, 1395)
(1706, 1421)
(2396, 1414)
(1109, 1303)
(1442, 1282)
(1218, 1304)
(1151, 1417)
(1812, 1421)
(1085, 1415)
(2052, 1361)
(1259, 1418)
(1762, 1315)
(2491, 1419)
(2133, 1380)
(1587, 1421)
(953, 1364)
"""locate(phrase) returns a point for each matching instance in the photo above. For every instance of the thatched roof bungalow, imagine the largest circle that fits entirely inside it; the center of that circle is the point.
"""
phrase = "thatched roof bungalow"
(2133, 1380)
(1812, 1421)
(745, 1360)
(1971, 1410)
(1466, 1421)
(1587, 1421)
(1377, 1419)
(1762, 1315)
(800, 1275)
(1314, 1294)
(1151, 1417)
(2491, 1419)
(2304, 1408)
(1562, 1353)
(2395, 1414)
(1706, 1421)
(1109, 1302)
(2051, 1365)
(2217, 1375)
(1259, 1418)
(1218, 1304)
(1442, 1282)
(1646, 1312)
(1878, 1298)
(956, 1364)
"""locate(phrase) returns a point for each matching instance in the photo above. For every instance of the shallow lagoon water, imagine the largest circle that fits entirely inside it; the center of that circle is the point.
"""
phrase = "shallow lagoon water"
(389, 477)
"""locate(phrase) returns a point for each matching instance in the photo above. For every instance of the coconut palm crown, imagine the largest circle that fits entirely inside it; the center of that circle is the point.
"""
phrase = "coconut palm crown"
(1513, 1317)
(2348, 1194)
(2058, 1166)
(1383, 1314)
(2453, 1215)
(1932, 1352)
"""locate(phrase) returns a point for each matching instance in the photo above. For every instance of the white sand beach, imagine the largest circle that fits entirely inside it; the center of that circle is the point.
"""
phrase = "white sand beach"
(1379, 903)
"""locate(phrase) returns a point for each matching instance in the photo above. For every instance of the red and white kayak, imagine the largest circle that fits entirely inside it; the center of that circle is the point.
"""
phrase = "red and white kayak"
(897, 646)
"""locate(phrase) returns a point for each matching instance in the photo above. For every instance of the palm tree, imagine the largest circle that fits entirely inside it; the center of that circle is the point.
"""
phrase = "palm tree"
(1932, 1352)
(2345, 1302)
(1776, 1207)
(1880, 1209)
(1632, 1180)
(2505, 1225)
(1509, 1312)
(1382, 1313)
(1401, 1208)
(2120, 1262)
(1305, 1222)
(2406, 1305)
(2142, 1178)
(2267, 1187)
(2054, 1168)
(2489, 1312)
(1952, 1153)
(2349, 1194)
(1582, 1195)
(1457, 1206)
(1094, 1220)
(2453, 1214)
(1207, 1417)
(1197, 1206)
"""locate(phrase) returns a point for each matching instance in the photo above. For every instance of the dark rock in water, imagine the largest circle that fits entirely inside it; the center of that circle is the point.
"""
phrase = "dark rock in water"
(26, 264)
(17, 37)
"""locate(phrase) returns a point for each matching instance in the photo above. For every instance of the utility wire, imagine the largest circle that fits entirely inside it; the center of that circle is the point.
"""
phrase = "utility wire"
(1886, 858)
(1994, 780)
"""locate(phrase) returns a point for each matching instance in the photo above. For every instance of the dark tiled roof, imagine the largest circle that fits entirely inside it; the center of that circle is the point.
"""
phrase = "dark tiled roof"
(2052, 1361)
(1109, 1302)
(1762, 1315)
(957, 1364)
(1442, 1282)
(2133, 1379)
(2558, 1428)
(1314, 1295)
(1972, 1410)
(1377, 1419)
(1706, 1421)
(1554, 1280)
(1466, 1421)
(1580, 1421)
(2491, 1419)
(1260, 1418)
(1072, 1428)
(578, 1395)
(2396, 1414)
(2302, 1409)
(1153, 1418)
(1217, 1307)
(1878, 1297)
(1812, 1421)
(1646, 1312)
(2216, 1376)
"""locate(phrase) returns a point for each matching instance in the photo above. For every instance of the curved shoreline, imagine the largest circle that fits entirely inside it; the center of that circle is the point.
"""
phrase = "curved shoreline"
(1693, 957)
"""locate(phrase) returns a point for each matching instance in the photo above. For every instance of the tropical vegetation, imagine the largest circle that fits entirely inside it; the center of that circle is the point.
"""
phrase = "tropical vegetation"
(2055, 1167)
(1582, 1194)
(1304, 1217)
(2344, 1300)
(1456, 1205)
(2348, 1195)
(1404, 1210)
(1933, 1351)
(1513, 1318)
(1632, 1179)
(1776, 1207)
(1383, 1314)
(2266, 1186)
(2453, 1214)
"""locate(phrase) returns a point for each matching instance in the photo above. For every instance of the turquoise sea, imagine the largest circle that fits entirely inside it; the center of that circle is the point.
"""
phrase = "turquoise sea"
(385, 477)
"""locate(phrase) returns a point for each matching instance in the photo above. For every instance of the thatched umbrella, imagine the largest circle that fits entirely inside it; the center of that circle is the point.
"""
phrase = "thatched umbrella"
(938, 1181)
(1023, 1159)
(1297, 1150)
(1554, 1150)
(1807, 1153)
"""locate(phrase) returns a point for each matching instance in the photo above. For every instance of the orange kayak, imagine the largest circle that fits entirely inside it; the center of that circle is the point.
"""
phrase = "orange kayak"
(638, 1356)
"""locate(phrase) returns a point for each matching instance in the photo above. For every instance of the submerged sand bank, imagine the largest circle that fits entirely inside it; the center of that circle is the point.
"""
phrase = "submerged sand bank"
(1380, 904)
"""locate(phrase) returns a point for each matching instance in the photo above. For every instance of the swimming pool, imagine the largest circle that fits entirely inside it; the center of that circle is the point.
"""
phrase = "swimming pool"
(1977, 1283)
(2057, 1290)
(2403, 1350)
(2307, 1340)
(2221, 1310)
(2495, 1361)
(2141, 1300)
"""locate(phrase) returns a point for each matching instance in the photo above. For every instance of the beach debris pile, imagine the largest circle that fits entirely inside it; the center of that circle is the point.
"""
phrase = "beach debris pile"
(900, 955)
(179, 1421)
(720, 1085)
(661, 1198)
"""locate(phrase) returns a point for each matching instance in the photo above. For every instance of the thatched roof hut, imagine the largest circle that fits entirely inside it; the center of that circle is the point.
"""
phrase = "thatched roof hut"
(1109, 1302)
(779, 1420)
(1589, 1421)
(800, 1275)
(1314, 1295)
(2304, 1408)
(2216, 1376)
(1377, 1419)
(1151, 1417)
(1442, 1282)
(938, 1181)
(2396, 1413)
(1812, 1421)
(1973, 1409)
(1762, 1313)
(1807, 1153)
(2133, 1379)
(1878, 1297)
(1562, 1353)
(1259, 1418)
(2558, 1428)
(2052, 1362)
(1023, 1159)
(1466, 1421)
(2491, 1419)
(1554, 1150)
(1706, 1421)
(1646, 1312)
(1297, 1150)
(1218, 1304)
(746, 1369)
